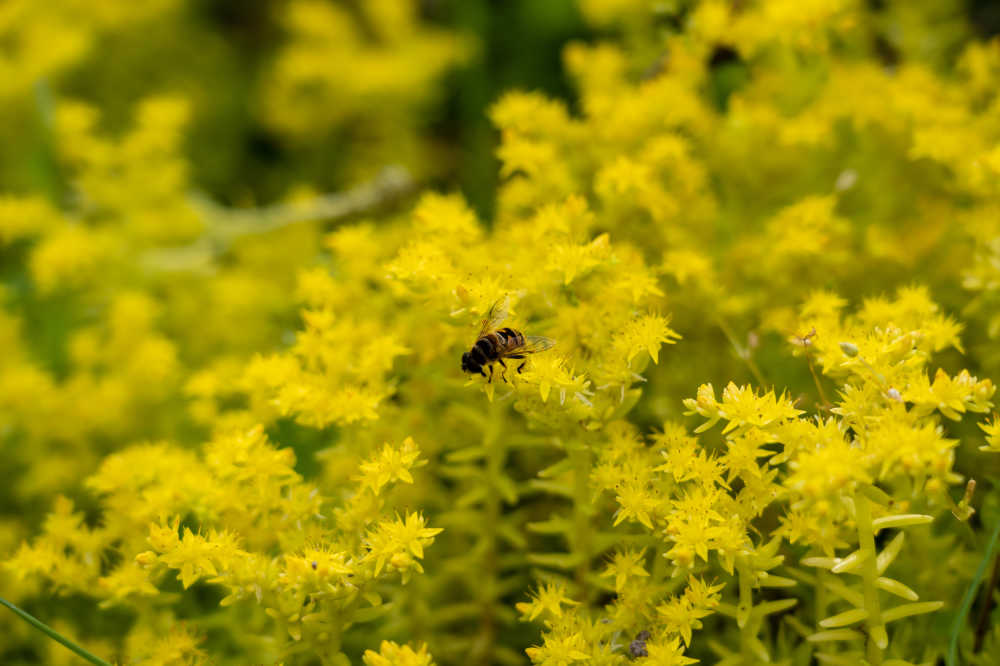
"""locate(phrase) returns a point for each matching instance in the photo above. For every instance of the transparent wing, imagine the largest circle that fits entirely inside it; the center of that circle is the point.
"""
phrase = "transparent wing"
(534, 344)
(496, 315)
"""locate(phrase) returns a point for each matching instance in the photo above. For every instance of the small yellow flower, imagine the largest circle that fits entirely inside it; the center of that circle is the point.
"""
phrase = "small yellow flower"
(393, 654)
(549, 598)
(646, 333)
(626, 564)
(559, 651)
(398, 542)
(992, 430)
(392, 464)
(667, 654)
(635, 501)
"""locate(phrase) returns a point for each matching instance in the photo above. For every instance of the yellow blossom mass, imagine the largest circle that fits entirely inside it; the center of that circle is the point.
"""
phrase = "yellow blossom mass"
(730, 272)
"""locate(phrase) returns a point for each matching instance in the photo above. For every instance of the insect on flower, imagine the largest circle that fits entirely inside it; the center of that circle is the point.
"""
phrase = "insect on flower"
(494, 344)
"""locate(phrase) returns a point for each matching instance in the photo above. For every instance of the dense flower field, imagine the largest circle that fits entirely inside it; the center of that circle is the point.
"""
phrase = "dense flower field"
(243, 247)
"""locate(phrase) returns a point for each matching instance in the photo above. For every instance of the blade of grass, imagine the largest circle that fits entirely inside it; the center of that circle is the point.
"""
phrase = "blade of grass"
(970, 595)
(53, 634)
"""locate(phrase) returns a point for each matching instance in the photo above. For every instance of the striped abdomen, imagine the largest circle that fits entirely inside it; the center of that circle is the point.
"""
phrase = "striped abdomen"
(489, 348)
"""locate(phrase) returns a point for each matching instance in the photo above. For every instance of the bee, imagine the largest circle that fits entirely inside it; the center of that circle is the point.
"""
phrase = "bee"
(494, 344)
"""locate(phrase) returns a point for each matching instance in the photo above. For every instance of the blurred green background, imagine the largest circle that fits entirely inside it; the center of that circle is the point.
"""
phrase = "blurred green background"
(219, 53)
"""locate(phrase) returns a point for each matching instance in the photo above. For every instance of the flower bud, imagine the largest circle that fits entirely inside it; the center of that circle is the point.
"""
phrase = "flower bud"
(849, 349)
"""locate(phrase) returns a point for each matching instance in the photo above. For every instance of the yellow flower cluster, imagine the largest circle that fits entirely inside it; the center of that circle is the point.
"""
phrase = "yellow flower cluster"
(122, 346)
(263, 534)
(391, 654)
(373, 68)
(807, 208)
(831, 476)
(47, 39)
(210, 416)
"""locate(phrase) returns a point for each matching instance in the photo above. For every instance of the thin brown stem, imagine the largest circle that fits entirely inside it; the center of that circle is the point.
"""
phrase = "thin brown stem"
(743, 353)
(819, 385)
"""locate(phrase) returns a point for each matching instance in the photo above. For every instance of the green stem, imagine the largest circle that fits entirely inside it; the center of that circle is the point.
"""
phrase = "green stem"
(53, 634)
(332, 653)
(581, 458)
(970, 594)
(742, 353)
(822, 608)
(877, 637)
(743, 609)
(496, 459)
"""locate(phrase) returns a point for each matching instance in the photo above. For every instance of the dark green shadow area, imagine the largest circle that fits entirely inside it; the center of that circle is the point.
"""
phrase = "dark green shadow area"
(304, 441)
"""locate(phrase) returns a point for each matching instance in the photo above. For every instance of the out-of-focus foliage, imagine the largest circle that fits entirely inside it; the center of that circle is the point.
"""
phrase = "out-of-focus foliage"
(764, 236)
(394, 66)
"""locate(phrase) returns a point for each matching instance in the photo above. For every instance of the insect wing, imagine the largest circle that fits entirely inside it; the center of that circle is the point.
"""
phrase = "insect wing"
(496, 315)
(534, 344)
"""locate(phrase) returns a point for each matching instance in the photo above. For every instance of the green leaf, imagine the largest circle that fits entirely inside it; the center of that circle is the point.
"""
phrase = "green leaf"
(906, 610)
(845, 618)
(893, 586)
(851, 562)
(901, 520)
(835, 635)
(556, 525)
(772, 607)
(556, 560)
(466, 454)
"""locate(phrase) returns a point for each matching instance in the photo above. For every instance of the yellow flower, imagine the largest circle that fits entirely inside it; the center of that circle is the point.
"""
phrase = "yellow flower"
(393, 654)
(127, 580)
(992, 430)
(70, 257)
(827, 471)
(667, 654)
(625, 564)
(573, 260)
(398, 542)
(549, 598)
(176, 646)
(646, 333)
(548, 372)
(636, 502)
(529, 113)
(559, 651)
(742, 407)
(392, 464)
(196, 556)
(23, 217)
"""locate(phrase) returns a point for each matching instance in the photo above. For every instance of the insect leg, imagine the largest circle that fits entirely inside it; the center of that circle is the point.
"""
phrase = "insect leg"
(490, 380)
(519, 356)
